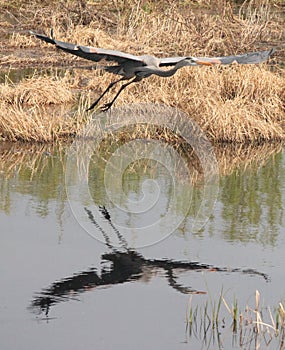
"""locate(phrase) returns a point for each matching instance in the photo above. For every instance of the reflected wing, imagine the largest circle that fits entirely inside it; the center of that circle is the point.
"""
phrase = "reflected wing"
(88, 52)
(247, 58)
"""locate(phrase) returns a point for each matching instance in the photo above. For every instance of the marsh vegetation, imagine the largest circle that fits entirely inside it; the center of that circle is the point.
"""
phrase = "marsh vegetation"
(252, 325)
(234, 104)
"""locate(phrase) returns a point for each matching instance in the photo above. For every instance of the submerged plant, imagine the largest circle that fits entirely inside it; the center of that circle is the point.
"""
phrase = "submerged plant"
(249, 326)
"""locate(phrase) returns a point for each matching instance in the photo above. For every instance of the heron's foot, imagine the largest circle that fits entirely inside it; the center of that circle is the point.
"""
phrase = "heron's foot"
(106, 106)
(92, 106)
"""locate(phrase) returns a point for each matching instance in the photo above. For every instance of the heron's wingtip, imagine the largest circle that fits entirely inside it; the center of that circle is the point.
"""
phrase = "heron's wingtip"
(43, 37)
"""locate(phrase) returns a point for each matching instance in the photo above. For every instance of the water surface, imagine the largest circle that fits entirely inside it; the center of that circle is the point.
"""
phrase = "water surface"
(62, 286)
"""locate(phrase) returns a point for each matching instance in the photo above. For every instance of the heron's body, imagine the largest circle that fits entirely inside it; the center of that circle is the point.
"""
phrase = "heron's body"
(139, 67)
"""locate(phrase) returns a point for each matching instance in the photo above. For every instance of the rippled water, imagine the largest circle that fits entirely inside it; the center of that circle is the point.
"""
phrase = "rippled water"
(69, 275)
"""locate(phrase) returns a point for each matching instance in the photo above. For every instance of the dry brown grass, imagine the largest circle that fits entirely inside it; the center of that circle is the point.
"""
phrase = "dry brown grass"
(166, 27)
(235, 104)
(196, 27)
(30, 125)
(40, 124)
(231, 104)
(26, 113)
(38, 91)
(239, 104)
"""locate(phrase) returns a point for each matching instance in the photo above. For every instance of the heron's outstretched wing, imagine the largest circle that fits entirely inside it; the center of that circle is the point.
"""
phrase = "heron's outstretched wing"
(247, 58)
(98, 54)
(88, 52)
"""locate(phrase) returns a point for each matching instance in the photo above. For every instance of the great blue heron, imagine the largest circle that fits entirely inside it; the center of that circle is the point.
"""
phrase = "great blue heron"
(140, 67)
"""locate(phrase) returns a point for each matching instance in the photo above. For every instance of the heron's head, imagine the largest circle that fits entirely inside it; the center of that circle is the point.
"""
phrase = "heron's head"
(193, 61)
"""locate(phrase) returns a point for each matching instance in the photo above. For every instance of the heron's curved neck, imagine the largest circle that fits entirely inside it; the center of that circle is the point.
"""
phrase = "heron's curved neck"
(147, 71)
(168, 72)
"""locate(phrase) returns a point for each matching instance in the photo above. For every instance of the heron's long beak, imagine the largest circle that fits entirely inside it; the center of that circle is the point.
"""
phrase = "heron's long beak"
(209, 62)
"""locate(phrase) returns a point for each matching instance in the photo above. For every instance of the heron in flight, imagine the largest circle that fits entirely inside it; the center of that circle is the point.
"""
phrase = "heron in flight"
(135, 68)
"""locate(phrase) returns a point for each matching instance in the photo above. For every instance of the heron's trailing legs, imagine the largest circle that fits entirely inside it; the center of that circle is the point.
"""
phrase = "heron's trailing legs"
(106, 106)
(103, 94)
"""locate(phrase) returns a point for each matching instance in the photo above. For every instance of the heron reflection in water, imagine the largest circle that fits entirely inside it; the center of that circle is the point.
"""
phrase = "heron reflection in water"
(126, 265)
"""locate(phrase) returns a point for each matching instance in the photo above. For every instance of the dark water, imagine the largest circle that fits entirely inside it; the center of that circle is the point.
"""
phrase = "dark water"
(66, 284)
